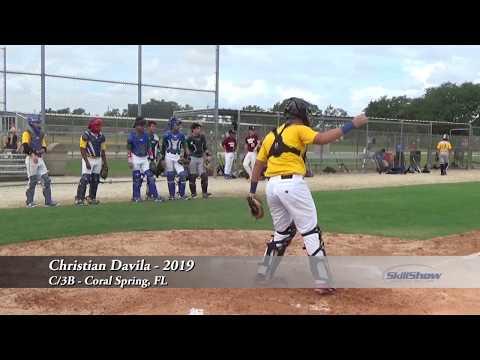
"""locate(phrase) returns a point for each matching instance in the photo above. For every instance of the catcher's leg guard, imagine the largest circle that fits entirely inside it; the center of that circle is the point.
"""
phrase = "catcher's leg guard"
(204, 182)
(182, 182)
(317, 256)
(152, 188)
(32, 184)
(274, 251)
(47, 189)
(82, 186)
(192, 178)
(95, 180)
(137, 183)
(171, 183)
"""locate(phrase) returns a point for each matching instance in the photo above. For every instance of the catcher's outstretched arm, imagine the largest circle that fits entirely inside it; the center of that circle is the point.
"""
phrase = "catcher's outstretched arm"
(331, 135)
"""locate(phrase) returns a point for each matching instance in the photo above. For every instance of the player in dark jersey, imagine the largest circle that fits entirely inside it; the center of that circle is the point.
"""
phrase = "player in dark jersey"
(197, 146)
(92, 149)
(154, 144)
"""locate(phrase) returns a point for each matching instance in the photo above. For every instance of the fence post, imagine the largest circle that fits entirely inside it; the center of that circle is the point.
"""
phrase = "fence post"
(139, 65)
(470, 138)
(42, 84)
(71, 145)
(430, 143)
(217, 63)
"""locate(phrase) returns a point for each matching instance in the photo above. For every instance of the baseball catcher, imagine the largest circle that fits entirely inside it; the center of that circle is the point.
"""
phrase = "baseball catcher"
(197, 146)
(173, 149)
(153, 155)
(289, 199)
(139, 151)
(34, 146)
(94, 162)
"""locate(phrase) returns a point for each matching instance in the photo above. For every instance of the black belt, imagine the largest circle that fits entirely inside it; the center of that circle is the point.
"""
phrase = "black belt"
(283, 177)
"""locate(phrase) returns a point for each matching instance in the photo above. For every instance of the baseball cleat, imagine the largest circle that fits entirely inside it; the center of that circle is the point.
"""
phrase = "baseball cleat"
(325, 290)
(31, 205)
(52, 204)
(135, 200)
(206, 195)
(172, 198)
(194, 196)
(79, 202)
(184, 197)
(159, 200)
(91, 201)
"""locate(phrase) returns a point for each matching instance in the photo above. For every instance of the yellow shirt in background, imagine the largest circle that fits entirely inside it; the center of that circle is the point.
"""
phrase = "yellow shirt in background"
(295, 135)
(444, 146)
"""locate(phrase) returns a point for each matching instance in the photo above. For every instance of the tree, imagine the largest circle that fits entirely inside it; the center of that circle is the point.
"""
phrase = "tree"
(63, 111)
(157, 108)
(252, 108)
(113, 112)
(79, 111)
(447, 102)
(333, 111)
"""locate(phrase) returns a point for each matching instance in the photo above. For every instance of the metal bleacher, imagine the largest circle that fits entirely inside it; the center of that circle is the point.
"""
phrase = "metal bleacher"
(12, 167)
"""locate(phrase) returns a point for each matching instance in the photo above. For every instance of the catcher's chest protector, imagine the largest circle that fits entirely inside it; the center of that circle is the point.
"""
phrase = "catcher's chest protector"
(36, 141)
(279, 147)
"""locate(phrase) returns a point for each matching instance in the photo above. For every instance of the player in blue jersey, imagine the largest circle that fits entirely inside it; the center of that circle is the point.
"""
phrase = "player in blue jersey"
(173, 149)
(139, 151)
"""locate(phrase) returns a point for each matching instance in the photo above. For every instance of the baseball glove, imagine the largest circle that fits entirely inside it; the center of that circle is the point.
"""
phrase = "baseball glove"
(256, 207)
(184, 161)
(104, 171)
(160, 168)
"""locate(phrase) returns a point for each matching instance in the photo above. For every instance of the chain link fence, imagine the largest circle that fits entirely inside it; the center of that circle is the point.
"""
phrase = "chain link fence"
(402, 139)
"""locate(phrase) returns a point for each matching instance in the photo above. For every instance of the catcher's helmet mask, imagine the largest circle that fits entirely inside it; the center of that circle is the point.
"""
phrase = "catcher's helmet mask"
(297, 108)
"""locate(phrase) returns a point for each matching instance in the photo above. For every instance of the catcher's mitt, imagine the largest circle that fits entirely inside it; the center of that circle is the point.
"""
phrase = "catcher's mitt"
(184, 161)
(160, 168)
(104, 171)
(256, 207)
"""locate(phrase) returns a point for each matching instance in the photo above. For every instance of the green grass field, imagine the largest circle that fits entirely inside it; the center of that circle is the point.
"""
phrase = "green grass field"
(413, 212)
(116, 168)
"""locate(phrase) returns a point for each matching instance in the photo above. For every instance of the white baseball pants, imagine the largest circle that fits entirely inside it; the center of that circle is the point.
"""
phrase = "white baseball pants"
(249, 162)
(229, 157)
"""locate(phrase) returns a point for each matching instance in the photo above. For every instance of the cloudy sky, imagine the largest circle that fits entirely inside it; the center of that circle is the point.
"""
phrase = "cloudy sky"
(344, 76)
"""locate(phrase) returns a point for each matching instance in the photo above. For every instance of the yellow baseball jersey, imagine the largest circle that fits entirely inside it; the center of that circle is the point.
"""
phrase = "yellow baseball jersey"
(295, 135)
(444, 146)
(27, 138)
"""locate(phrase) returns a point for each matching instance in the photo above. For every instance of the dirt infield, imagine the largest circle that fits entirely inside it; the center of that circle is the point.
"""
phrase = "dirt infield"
(121, 188)
(238, 301)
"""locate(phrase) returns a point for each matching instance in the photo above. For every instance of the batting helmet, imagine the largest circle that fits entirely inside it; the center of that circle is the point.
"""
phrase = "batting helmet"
(445, 137)
(298, 108)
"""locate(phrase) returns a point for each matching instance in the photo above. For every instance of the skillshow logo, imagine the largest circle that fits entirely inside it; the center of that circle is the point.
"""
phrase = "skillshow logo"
(411, 272)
